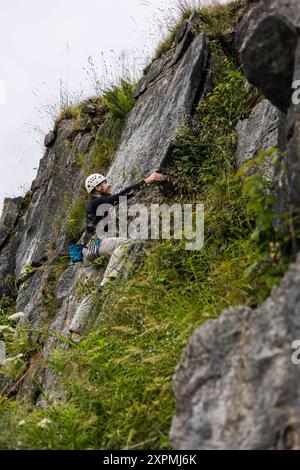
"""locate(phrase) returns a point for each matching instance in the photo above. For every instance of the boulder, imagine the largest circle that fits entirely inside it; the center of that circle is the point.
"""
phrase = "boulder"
(259, 131)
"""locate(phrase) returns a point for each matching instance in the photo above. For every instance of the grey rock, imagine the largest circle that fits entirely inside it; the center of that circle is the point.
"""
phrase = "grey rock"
(182, 41)
(180, 33)
(227, 40)
(154, 71)
(288, 9)
(247, 22)
(236, 386)
(258, 132)
(268, 52)
(10, 213)
(86, 126)
(65, 284)
(292, 155)
(49, 139)
(157, 116)
(268, 37)
(85, 143)
(187, 39)
(58, 183)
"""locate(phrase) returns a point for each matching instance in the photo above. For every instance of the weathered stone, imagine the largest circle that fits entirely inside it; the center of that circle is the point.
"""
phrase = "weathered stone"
(49, 139)
(292, 156)
(65, 284)
(90, 108)
(86, 126)
(182, 41)
(10, 213)
(158, 115)
(258, 132)
(58, 180)
(180, 33)
(187, 39)
(154, 71)
(235, 385)
(227, 40)
(268, 54)
(287, 9)
(246, 23)
(85, 143)
(8, 263)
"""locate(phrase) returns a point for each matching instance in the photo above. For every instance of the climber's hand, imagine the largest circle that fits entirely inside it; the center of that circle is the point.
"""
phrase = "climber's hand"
(155, 178)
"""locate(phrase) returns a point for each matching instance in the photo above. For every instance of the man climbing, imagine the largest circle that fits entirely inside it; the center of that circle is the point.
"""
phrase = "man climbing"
(117, 248)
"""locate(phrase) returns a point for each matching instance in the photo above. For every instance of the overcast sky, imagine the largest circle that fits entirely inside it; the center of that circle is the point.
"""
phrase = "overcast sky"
(43, 42)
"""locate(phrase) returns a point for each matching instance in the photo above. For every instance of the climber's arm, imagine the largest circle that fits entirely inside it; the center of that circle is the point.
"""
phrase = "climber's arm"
(153, 178)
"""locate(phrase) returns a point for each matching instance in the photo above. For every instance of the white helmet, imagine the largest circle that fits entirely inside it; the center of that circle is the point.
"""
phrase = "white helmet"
(94, 180)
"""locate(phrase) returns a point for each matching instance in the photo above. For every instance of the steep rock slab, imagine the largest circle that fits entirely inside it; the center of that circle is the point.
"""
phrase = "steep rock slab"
(160, 111)
(236, 385)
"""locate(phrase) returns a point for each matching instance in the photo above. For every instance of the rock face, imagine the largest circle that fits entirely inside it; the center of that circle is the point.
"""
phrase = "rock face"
(260, 131)
(10, 214)
(268, 39)
(166, 96)
(267, 46)
(236, 385)
(9, 241)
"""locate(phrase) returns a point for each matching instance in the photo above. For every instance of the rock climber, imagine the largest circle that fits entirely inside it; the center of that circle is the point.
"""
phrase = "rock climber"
(117, 248)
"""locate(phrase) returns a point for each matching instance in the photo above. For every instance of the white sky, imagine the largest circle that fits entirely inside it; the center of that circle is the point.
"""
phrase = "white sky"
(43, 42)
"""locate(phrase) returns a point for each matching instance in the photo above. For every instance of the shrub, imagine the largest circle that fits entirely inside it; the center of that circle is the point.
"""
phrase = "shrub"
(119, 99)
